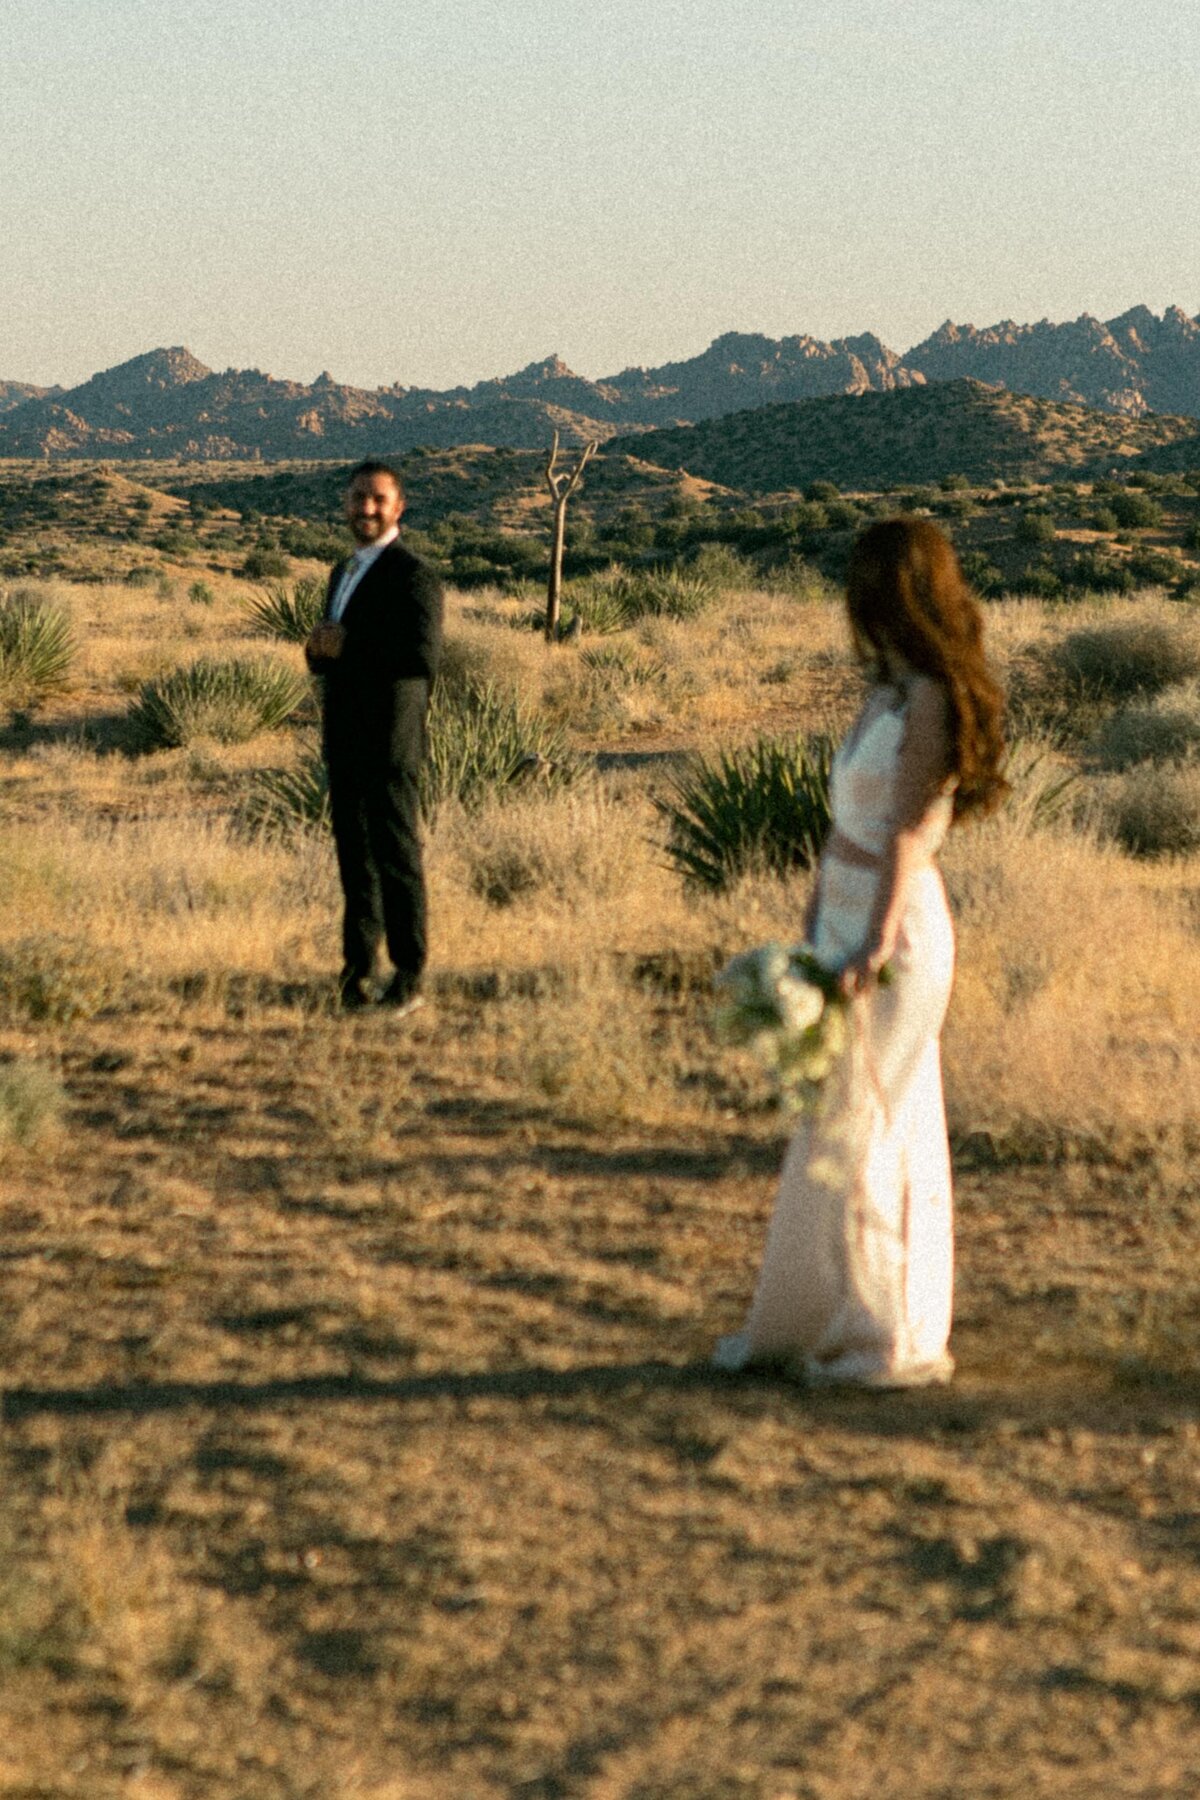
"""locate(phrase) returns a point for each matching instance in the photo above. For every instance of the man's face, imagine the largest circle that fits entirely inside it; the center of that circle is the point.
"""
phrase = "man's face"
(373, 506)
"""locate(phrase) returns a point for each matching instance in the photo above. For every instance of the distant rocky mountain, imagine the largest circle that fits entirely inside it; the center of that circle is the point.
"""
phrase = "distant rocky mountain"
(167, 404)
(15, 393)
(916, 435)
(1134, 364)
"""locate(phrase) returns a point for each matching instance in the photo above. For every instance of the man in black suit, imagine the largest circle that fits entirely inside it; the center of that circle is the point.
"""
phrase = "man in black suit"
(377, 650)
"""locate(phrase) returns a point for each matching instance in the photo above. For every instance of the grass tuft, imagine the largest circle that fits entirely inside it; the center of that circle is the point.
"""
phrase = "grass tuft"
(31, 1101)
(1155, 811)
(56, 978)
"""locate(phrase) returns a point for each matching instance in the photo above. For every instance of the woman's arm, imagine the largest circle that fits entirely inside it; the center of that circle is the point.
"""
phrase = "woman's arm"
(924, 762)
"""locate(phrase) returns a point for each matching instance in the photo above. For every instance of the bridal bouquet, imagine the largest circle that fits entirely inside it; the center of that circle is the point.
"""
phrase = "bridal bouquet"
(792, 1012)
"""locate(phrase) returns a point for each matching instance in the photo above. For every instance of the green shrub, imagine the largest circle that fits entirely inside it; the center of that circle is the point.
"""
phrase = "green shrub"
(264, 564)
(1127, 657)
(1156, 811)
(201, 594)
(230, 702)
(822, 490)
(1135, 510)
(765, 807)
(1104, 519)
(36, 650)
(1166, 729)
(1096, 572)
(1035, 528)
(287, 612)
(31, 1101)
(953, 484)
(720, 566)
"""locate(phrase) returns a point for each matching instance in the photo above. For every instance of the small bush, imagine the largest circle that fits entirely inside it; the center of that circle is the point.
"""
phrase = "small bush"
(57, 978)
(1134, 510)
(1035, 528)
(36, 650)
(200, 593)
(230, 702)
(1104, 519)
(265, 564)
(1156, 811)
(1166, 729)
(1127, 657)
(31, 1101)
(1096, 572)
(822, 490)
(762, 808)
(287, 612)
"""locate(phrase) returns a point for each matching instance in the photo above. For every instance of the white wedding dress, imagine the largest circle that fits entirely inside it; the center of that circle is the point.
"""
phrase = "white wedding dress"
(857, 1276)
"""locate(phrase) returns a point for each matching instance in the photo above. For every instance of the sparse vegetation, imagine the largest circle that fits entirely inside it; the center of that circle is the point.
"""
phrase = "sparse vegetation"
(365, 1296)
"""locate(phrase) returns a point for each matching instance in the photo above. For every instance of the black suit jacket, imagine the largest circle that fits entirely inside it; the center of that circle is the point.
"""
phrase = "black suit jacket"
(377, 691)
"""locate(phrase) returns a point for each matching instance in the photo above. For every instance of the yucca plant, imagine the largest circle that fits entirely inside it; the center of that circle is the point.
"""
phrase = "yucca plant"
(36, 650)
(280, 611)
(481, 740)
(661, 593)
(616, 666)
(597, 606)
(229, 702)
(280, 802)
(762, 808)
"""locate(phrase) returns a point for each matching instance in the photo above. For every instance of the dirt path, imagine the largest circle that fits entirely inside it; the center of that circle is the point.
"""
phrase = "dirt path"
(358, 1442)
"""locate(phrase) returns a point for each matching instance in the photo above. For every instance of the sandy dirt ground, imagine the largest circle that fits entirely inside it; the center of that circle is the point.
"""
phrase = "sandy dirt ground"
(358, 1442)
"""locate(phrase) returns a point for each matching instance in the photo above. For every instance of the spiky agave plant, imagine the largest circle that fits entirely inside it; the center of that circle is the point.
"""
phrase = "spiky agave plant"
(480, 742)
(765, 807)
(229, 702)
(37, 647)
(289, 613)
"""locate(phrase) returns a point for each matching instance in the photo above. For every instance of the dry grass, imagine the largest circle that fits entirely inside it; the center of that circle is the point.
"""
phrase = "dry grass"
(357, 1439)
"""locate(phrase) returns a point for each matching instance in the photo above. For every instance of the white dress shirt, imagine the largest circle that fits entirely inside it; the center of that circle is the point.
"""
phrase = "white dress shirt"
(356, 568)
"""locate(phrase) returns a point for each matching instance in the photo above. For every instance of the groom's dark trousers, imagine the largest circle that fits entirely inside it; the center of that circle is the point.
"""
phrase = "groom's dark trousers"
(375, 698)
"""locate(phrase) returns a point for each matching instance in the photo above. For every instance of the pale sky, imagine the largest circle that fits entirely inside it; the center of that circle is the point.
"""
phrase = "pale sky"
(443, 190)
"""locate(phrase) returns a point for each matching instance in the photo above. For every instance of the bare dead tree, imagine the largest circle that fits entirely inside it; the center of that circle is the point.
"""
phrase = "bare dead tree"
(562, 485)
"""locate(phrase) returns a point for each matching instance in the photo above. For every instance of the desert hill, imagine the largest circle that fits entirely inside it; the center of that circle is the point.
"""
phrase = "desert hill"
(167, 404)
(916, 434)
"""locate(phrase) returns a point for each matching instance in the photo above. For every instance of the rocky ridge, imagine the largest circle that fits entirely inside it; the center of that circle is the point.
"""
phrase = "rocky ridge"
(166, 403)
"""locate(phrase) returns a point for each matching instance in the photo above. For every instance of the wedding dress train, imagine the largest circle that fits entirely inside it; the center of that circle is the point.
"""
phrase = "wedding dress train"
(857, 1276)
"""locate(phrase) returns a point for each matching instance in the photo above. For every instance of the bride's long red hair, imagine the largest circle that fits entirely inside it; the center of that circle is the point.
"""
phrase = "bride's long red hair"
(905, 592)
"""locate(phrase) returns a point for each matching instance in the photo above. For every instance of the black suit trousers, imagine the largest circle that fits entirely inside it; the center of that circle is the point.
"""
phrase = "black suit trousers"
(375, 806)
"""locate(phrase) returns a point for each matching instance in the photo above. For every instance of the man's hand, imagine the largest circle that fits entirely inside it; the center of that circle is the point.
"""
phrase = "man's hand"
(325, 644)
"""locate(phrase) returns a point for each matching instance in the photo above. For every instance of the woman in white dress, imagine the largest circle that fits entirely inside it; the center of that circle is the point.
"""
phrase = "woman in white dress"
(856, 1281)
